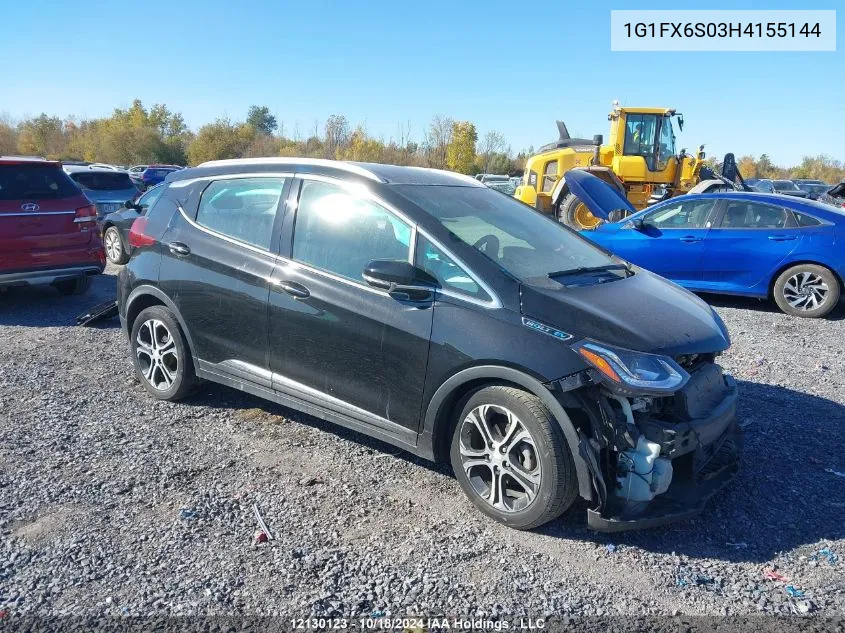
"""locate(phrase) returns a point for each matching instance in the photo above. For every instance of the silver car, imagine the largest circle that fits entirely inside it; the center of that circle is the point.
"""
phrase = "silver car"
(106, 188)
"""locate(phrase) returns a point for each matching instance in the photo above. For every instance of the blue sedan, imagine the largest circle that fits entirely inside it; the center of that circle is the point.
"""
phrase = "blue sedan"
(752, 244)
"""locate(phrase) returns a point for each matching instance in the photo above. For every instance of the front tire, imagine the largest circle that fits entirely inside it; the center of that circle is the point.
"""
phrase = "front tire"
(575, 214)
(161, 355)
(115, 250)
(511, 458)
(807, 290)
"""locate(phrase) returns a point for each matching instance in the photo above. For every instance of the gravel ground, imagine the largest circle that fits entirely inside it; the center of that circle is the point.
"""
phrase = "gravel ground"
(114, 503)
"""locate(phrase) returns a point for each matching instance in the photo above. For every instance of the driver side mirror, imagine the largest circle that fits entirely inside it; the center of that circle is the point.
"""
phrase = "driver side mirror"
(402, 280)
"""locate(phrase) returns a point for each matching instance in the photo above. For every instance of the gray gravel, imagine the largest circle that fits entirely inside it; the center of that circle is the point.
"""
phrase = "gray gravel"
(114, 503)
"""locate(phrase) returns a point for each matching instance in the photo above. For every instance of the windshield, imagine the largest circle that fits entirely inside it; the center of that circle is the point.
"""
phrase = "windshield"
(524, 242)
(102, 180)
(24, 182)
(784, 185)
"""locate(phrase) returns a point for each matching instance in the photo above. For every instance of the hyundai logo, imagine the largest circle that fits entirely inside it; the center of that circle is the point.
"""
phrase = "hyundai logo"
(30, 206)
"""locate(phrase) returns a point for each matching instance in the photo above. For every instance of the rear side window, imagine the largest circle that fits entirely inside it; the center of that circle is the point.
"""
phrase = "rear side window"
(34, 182)
(753, 215)
(102, 180)
(341, 233)
(549, 176)
(242, 208)
(802, 219)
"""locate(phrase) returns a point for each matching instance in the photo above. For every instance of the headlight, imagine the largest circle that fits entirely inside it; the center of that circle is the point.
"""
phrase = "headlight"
(628, 371)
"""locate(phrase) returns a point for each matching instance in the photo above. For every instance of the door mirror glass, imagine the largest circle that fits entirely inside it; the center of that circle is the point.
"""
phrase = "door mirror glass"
(638, 224)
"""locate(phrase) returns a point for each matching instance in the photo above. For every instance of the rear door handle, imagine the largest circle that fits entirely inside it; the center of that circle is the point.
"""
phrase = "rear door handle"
(690, 239)
(178, 248)
(294, 289)
(781, 238)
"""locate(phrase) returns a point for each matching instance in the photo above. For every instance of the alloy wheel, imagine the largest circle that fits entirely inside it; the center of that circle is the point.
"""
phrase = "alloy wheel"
(499, 457)
(113, 245)
(157, 354)
(806, 291)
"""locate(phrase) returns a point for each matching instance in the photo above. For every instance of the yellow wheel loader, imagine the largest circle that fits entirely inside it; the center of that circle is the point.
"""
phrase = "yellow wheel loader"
(640, 160)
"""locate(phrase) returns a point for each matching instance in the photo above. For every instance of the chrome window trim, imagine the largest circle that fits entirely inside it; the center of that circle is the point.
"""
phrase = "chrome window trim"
(317, 162)
(29, 214)
(494, 301)
(329, 275)
(257, 174)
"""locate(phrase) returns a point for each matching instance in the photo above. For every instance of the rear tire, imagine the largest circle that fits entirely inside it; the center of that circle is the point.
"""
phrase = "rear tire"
(807, 290)
(160, 354)
(77, 286)
(115, 248)
(574, 214)
(511, 458)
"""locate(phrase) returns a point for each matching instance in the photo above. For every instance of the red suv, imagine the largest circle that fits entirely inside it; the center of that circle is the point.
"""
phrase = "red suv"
(48, 228)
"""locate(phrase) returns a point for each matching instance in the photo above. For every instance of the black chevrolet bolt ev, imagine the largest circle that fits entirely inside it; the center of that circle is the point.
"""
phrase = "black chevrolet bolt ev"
(429, 311)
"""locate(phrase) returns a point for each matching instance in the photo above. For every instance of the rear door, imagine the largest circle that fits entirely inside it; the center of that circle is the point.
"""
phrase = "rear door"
(38, 204)
(671, 241)
(217, 260)
(748, 242)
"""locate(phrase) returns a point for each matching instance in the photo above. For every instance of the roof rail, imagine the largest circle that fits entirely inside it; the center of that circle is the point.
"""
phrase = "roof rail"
(322, 162)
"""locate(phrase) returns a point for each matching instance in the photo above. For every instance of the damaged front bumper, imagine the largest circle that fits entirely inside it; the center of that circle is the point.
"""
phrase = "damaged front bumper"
(696, 431)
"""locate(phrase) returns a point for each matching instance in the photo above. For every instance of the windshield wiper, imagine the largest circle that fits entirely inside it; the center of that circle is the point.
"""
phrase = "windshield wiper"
(592, 269)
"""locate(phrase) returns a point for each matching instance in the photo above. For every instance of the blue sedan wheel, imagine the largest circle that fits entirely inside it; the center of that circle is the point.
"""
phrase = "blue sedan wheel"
(807, 290)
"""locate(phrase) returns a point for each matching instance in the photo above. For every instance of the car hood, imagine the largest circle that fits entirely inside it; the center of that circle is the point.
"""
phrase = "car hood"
(599, 196)
(643, 312)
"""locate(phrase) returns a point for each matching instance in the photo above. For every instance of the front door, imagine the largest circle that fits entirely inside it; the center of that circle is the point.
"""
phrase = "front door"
(217, 260)
(671, 241)
(335, 340)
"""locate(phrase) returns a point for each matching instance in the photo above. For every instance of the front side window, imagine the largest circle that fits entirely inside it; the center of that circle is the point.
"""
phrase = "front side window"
(522, 241)
(753, 215)
(341, 233)
(690, 214)
(448, 273)
(242, 208)
(549, 176)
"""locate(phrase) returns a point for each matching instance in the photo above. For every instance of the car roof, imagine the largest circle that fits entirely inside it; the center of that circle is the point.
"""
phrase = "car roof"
(27, 160)
(385, 174)
(792, 202)
(75, 169)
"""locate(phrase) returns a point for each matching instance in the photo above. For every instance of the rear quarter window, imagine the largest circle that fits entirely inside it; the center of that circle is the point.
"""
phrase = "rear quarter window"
(802, 219)
(34, 182)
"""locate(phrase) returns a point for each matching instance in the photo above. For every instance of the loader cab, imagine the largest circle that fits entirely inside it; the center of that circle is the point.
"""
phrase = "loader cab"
(652, 137)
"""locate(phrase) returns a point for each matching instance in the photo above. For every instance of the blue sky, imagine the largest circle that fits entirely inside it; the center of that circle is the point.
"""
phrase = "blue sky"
(512, 67)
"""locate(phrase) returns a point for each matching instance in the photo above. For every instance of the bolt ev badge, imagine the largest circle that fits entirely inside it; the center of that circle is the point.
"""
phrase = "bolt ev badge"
(29, 206)
(546, 329)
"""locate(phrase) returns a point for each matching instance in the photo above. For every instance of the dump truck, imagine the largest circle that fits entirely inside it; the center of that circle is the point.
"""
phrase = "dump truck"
(640, 160)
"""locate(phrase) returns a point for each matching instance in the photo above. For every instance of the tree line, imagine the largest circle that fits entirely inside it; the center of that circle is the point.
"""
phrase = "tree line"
(140, 135)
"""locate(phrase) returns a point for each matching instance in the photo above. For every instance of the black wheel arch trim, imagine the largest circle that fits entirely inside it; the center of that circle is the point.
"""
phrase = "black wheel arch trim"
(147, 291)
(436, 415)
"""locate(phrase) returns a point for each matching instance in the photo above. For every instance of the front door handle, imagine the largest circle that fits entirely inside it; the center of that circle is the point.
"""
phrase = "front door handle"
(179, 249)
(781, 238)
(294, 289)
(690, 239)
